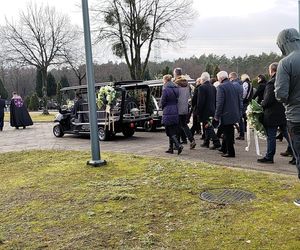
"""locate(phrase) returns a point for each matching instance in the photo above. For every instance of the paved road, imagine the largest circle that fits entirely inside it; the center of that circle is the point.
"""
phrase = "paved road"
(39, 136)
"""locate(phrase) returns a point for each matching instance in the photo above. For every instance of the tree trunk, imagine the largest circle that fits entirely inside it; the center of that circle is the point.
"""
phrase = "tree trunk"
(45, 99)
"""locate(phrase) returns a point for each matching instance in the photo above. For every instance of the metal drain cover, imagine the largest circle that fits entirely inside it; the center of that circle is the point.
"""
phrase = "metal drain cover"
(226, 196)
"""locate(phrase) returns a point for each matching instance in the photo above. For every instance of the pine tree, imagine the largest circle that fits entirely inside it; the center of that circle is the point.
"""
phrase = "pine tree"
(34, 102)
(216, 71)
(64, 81)
(51, 85)
(209, 69)
(3, 91)
(39, 83)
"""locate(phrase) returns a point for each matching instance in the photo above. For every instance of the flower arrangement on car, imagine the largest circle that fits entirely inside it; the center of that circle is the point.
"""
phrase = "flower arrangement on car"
(107, 95)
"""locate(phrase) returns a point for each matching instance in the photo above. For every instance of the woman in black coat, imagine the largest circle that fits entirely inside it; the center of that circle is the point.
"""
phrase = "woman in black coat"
(274, 117)
(259, 94)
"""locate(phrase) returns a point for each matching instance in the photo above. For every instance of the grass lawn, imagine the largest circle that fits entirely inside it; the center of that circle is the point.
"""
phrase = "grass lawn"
(51, 199)
(35, 116)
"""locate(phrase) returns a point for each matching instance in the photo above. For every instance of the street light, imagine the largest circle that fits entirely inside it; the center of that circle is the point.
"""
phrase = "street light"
(95, 145)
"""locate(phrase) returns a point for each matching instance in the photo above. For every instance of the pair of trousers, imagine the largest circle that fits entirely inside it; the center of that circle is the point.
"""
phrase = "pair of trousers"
(210, 134)
(184, 127)
(196, 128)
(294, 133)
(228, 140)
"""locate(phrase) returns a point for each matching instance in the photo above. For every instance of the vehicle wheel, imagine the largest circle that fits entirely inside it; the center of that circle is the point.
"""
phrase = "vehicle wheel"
(128, 132)
(103, 134)
(57, 131)
(149, 127)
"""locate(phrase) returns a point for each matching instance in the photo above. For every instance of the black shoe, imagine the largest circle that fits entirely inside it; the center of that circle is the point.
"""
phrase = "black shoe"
(193, 144)
(170, 151)
(214, 147)
(292, 161)
(221, 151)
(228, 156)
(180, 150)
(265, 160)
(242, 138)
(204, 145)
(286, 153)
(24, 127)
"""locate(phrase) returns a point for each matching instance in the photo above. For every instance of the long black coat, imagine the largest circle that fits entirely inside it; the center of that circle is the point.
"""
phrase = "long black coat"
(260, 92)
(194, 100)
(2, 106)
(19, 115)
(274, 112)
(206, 101)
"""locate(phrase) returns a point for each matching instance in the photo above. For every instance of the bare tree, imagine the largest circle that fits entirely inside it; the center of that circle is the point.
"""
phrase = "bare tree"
(37, 39)
(131, 27)
(75, 58)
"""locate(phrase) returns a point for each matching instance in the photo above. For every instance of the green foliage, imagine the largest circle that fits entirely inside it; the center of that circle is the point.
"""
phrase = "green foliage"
(27, 101)
(147, 75)
(39, 83)
(209, 68)
(34, 102)
(59, 94)
(118, 49)
(3, 91)
(166, 71)
(64, 81)
(216, 71)
(51, 85)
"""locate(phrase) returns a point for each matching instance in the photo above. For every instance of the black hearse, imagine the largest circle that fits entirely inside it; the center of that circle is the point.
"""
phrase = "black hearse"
(130, 108)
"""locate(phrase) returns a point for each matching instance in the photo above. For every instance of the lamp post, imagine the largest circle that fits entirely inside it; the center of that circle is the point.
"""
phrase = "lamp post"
(95, 146)
(299, 16)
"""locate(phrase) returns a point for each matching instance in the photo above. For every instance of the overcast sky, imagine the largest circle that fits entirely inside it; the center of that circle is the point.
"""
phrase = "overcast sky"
(230, 27)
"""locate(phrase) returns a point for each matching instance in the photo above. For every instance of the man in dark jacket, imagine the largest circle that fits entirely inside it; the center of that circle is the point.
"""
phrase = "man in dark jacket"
(228, 111)
(287, 87)
(206, 107)
(2, 106)
(274, 117)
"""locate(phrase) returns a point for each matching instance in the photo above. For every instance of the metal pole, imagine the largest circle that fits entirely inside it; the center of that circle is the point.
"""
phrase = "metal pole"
(299, 16)
(95, 145)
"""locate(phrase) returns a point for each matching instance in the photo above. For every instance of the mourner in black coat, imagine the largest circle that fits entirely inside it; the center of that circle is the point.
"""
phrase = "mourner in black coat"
(206, 107)
(259, 94)
(2, 106)
(274, 117)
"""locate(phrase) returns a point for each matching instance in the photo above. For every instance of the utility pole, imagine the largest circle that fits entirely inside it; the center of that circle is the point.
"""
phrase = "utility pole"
(95, 145)
(299, 16)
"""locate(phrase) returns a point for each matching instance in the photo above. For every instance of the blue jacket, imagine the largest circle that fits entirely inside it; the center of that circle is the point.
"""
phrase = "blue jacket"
(229, 103)
(169, 102)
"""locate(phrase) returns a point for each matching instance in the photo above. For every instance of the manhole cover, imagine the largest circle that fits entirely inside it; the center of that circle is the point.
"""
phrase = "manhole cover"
(226, 196)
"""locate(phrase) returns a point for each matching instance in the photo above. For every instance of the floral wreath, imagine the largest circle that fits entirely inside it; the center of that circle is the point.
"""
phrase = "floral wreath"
(106, 96)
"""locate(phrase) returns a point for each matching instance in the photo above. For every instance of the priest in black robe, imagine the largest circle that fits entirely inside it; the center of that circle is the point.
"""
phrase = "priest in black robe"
(19, 116)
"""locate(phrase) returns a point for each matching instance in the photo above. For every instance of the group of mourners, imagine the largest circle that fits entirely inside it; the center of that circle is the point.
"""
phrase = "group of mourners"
(19, 115)
(222, 103)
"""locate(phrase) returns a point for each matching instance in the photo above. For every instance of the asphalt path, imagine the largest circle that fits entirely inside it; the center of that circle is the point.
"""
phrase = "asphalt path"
(40, 136)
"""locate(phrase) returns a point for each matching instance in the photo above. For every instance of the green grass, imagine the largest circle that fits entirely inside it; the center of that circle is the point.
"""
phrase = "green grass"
(35, 116)
(51, 199)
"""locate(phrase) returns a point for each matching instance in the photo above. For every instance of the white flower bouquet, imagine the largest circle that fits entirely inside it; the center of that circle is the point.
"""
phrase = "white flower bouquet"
(106, 96)
(254, 118)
